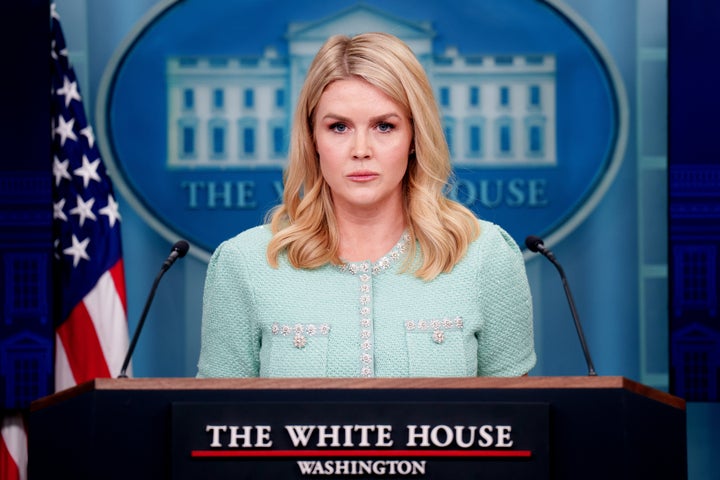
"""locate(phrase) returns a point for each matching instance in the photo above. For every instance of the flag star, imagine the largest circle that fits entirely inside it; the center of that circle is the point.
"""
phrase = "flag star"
(88, 171)
(87, 132)
(84, 210)
(77, 250)
(65, 130)
(58, 210)
(54, 51)
(111, 210)
(70, 90)
(60, 170)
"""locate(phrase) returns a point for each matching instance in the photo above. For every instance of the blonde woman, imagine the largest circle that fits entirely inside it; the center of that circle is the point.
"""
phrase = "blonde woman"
(367, 269)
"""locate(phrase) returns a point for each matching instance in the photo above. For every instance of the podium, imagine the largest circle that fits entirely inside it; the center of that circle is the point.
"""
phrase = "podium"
(528, 427)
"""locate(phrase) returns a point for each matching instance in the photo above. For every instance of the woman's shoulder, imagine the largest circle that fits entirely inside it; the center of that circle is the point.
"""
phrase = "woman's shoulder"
(493, 235)
(494, 254)
(253, 234)
(494, 244)
(248, 241)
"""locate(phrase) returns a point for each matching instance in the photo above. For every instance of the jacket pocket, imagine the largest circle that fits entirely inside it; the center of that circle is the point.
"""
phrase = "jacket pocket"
(297, 350)
(435, 347)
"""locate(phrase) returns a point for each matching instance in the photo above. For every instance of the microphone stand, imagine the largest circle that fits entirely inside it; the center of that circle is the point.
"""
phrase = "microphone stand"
(573, 311)
(535, 244)
(149, 300)
(178, 251)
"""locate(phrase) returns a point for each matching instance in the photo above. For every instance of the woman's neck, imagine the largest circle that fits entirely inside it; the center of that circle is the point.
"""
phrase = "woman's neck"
(369, 237)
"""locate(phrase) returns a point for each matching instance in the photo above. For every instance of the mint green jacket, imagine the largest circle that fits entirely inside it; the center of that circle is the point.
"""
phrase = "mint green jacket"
(366, 319)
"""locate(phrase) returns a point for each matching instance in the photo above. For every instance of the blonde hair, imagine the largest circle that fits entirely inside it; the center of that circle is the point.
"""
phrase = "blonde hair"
(304, 225)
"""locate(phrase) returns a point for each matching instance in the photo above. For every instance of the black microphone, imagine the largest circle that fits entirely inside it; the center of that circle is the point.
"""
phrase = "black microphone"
(179, 250)
(535, 244)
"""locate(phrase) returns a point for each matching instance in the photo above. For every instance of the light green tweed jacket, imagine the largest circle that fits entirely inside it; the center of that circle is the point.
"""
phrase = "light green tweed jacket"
(365, 319)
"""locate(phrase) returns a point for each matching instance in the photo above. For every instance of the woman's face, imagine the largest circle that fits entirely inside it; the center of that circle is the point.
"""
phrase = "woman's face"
(363, 139)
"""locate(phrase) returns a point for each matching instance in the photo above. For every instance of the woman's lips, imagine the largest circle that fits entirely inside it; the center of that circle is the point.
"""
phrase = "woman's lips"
(362, 176)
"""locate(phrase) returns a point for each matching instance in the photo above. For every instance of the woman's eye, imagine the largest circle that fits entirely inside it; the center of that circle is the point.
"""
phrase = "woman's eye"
(385, 127)
(338, 127)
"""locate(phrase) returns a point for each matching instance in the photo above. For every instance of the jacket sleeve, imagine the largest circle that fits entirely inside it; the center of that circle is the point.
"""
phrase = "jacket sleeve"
(506, 344)
(230, 340)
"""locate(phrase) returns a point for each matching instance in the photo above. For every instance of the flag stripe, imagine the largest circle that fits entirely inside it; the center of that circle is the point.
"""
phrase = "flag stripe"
(118, 274)
(107, 312)
(82, 347)
(64, 377)
(13, 449)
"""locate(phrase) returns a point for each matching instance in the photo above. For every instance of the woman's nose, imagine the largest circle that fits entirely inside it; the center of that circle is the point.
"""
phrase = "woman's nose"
(361, 148)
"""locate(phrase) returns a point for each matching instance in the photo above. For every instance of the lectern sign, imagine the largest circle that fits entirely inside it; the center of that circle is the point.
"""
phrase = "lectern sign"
(360, 439)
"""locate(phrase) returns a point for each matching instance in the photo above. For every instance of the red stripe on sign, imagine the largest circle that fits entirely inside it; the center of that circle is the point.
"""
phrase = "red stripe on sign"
(361, 453)
(82, 347)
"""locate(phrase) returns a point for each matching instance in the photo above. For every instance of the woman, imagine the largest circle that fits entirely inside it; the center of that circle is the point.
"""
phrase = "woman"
(367, 268)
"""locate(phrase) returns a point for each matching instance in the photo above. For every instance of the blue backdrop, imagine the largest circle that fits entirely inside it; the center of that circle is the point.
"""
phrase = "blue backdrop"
(616, 257)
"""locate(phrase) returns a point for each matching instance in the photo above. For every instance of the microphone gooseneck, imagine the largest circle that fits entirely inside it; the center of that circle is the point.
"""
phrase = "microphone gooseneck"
(535, 244)
(179, 249)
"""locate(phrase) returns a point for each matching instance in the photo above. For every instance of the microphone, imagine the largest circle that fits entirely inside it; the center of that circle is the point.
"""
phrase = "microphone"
(179, 250)
(535, 244)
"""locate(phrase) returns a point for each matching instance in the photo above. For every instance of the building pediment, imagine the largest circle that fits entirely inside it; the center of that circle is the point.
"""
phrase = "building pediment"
(697, 332)
(358, 19)
(24, 341)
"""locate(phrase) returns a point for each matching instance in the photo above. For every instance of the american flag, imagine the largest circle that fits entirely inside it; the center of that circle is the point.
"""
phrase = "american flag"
(91, 333)
(13, 448)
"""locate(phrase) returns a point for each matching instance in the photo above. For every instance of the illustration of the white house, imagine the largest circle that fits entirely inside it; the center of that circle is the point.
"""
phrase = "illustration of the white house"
(235, 112)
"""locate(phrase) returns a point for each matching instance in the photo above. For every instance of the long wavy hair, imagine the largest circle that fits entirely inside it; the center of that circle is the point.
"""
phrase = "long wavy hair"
(304, 226)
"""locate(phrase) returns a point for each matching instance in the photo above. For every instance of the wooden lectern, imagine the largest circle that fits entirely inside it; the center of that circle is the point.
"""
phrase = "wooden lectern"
(424, 428)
